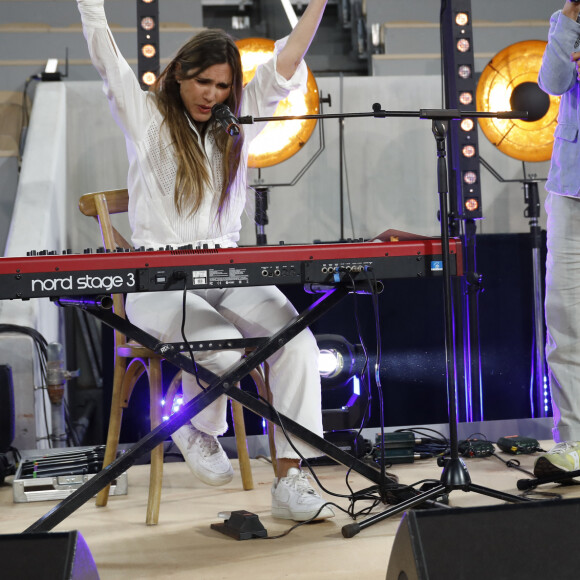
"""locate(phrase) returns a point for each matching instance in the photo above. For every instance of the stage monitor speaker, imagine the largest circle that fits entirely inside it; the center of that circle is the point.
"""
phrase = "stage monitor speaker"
(529, 540)
(46, 555)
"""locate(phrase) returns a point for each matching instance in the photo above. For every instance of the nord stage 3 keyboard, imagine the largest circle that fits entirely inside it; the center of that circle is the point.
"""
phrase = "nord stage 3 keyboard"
(55, 275)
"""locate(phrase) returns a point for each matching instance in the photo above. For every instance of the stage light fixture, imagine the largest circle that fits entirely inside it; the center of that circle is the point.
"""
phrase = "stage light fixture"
(148, 51)
(460, 86)
(467, 125)
(466, 98)
(341, 365)
(147, 23)
(464, 71)
(148, 42)
(329, 363)
(472, 204)
(148, 79)
(339, 360)
(463, 45)
(509, 82)
(468, 151)
(470, 177)
(279, 140)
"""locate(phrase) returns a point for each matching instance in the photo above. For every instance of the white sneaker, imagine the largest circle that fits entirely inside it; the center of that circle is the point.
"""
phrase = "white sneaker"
(293, 498)
(204, 455)
(563, 457)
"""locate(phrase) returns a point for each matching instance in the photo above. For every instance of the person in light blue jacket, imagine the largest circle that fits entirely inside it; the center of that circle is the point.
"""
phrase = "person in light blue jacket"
(559, 75)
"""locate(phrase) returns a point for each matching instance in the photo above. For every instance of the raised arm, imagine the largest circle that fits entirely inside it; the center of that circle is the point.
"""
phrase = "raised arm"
(300, 39)
(558, 71)
(126, 99)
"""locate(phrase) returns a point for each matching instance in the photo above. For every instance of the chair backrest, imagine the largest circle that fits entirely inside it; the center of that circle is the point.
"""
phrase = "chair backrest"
(101, 205)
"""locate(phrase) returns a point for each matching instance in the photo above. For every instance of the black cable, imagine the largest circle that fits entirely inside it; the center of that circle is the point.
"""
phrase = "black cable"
(375, 302)
(189, 349)
(366, 415)
(25, 330)
(352, 496)
(421, 432)
(385, 489)
(72, 436)
(315, 477)
(305, 461)
(40, 345)
(472, 435)
(514, 464)
(365, 369)
(365, 375)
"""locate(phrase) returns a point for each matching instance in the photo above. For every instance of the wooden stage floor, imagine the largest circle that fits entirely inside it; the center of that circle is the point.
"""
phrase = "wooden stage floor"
(184, 546)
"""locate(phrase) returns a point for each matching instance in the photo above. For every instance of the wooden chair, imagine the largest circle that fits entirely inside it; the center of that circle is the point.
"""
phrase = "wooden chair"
(133, 360)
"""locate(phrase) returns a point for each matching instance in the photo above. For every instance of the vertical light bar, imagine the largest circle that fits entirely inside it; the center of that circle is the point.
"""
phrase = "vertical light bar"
(147, 42)
(460, 89)
(464, 197)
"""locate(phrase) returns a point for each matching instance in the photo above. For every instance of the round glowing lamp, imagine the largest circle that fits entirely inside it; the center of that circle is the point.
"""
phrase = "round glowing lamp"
(509, 83)
(279, 140)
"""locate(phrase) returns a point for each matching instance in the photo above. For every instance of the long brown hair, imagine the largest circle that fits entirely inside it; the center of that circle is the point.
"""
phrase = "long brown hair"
(205, 49)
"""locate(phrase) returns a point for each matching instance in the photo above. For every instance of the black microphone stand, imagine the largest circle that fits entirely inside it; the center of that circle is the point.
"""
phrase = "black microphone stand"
(455, 475)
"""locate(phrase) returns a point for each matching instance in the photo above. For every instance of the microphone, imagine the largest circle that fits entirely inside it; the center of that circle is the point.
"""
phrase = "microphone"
(226, 119)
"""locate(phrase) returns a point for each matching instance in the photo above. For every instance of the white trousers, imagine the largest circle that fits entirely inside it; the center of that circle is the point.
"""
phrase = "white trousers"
(239, 313)
(563, 314)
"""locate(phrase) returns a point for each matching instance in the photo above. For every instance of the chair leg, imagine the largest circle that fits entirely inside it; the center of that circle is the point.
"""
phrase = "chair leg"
(260, 377)
(156, 472)
(114, 429)
(242, 445)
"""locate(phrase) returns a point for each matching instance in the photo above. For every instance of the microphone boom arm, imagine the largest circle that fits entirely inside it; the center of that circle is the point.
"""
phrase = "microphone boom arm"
(440, 114)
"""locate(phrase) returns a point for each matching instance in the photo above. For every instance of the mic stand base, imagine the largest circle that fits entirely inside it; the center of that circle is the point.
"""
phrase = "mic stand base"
(454, 477)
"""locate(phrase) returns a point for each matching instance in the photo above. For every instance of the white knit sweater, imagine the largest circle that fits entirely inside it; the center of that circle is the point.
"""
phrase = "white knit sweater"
(154, 220)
